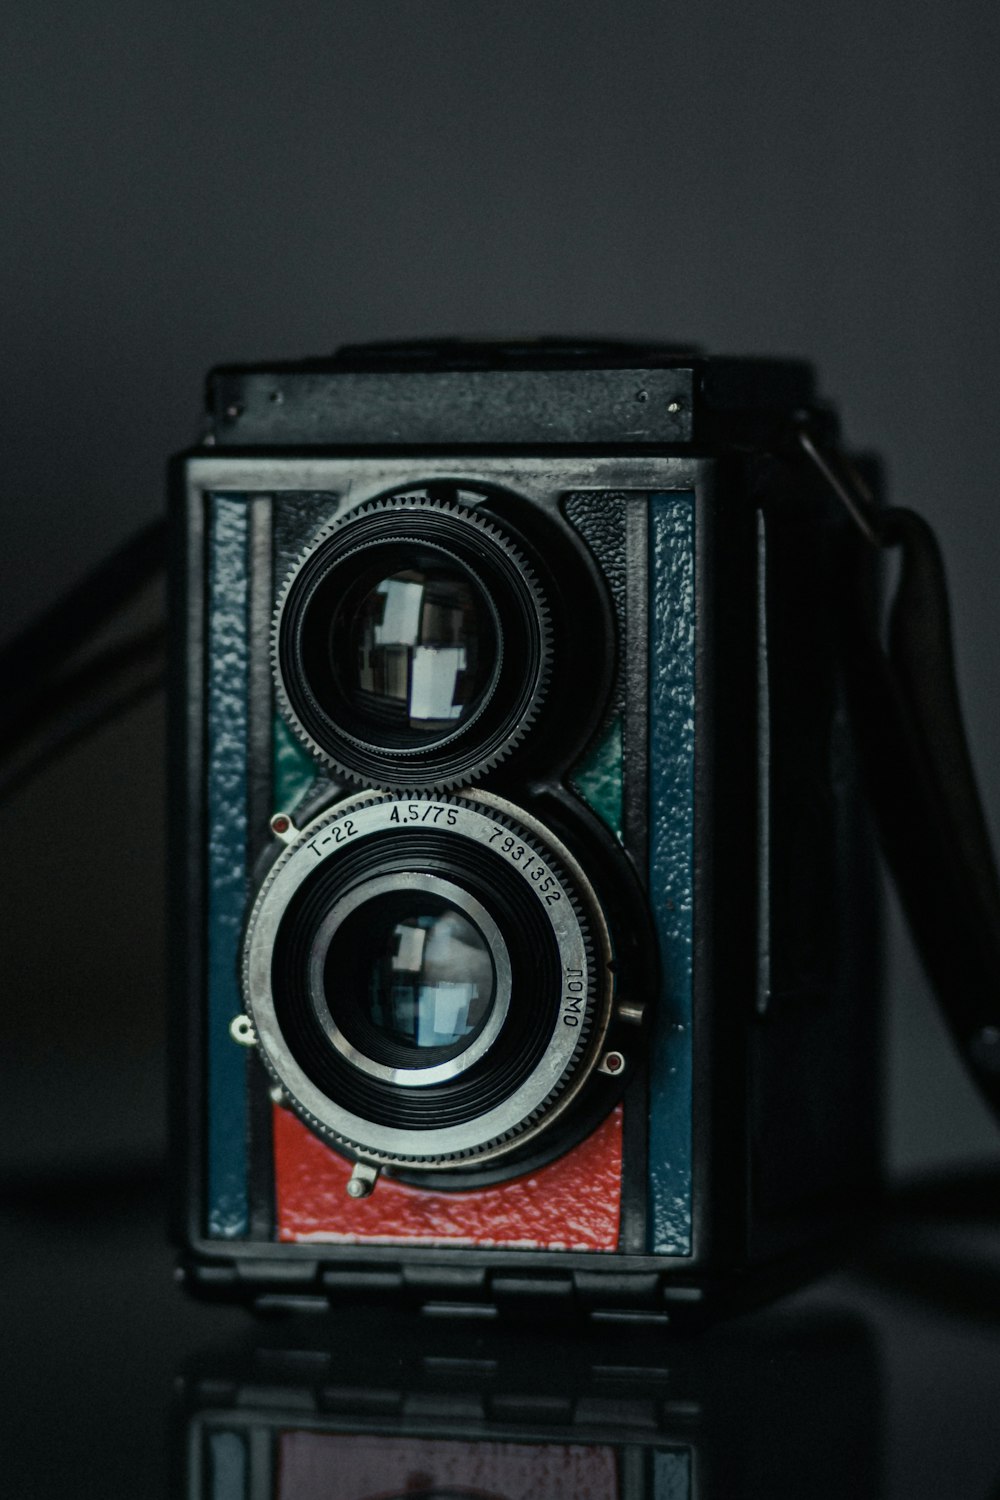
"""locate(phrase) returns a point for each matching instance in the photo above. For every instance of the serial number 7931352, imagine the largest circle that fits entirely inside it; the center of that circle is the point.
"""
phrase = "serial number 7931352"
(507, 843)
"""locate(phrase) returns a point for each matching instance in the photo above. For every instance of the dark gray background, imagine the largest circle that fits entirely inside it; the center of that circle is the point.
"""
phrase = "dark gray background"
(186, 184)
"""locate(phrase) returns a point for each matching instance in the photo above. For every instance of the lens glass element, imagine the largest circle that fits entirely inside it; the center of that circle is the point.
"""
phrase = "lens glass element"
(407, 976)
(413, 648)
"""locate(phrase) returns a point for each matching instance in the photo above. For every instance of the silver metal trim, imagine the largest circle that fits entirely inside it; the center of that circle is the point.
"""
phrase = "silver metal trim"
(355, 481)
(412, 881)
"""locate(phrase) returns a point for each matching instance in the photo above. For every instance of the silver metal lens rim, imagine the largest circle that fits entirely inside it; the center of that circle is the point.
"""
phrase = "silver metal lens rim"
(543, 1096)
(499, 956)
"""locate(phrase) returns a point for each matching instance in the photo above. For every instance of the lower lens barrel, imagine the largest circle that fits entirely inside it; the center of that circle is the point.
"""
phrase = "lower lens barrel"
(428, 979)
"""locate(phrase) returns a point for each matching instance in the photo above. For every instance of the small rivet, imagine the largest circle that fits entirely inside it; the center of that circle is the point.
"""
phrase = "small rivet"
(642, 395)
(234, 411)
(284, 828)
(674, 406)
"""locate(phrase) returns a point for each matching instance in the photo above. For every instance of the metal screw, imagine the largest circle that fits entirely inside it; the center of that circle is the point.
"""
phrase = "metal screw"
(674, 406)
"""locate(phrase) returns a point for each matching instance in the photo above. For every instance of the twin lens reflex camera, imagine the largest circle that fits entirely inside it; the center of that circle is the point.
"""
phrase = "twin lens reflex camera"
(524, 915)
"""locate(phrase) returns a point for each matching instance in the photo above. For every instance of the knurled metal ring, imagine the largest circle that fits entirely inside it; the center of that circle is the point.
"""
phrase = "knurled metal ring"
(509, 586)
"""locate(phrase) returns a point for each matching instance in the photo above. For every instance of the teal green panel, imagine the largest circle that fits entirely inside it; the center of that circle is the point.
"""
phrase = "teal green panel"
(598, 777)
(294, 769)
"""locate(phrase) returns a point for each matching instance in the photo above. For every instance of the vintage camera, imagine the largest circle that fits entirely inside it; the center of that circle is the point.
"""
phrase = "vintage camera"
(525, 920)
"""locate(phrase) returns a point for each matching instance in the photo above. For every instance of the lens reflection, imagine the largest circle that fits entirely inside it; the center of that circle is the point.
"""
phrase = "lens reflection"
(432, 984)
(414, 649)
(409, 972)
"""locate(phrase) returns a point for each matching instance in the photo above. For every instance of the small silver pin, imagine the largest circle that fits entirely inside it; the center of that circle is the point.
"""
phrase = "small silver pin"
(361, 1183)
(241, 1030)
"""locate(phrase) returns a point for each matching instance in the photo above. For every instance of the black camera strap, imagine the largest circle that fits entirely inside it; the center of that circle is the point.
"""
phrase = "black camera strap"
(921, 779)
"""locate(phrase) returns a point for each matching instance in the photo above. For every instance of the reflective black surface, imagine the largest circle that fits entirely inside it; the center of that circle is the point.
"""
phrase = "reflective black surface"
(881, 1380)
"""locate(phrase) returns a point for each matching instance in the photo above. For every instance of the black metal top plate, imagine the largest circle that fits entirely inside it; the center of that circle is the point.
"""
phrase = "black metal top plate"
(293, 407)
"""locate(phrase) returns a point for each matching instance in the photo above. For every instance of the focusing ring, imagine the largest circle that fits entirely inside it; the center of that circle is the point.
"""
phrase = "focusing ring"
(491, 567)
(560, 989)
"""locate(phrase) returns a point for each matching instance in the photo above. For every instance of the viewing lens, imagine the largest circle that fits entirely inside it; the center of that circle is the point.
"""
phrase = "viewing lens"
(409, 980)
(412, 648)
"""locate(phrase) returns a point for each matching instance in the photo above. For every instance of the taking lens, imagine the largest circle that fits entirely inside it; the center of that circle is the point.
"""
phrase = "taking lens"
(422, 976)
(417, 976)
(409, 977)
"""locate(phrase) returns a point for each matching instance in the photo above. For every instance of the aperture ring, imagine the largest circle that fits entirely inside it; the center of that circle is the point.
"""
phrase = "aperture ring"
(561, 1006)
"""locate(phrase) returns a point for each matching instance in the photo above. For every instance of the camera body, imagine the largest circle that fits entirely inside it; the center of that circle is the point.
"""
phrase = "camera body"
(525, 925)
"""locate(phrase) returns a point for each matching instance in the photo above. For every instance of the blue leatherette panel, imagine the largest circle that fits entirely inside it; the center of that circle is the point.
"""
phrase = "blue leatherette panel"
(671, 831)
(227, 629)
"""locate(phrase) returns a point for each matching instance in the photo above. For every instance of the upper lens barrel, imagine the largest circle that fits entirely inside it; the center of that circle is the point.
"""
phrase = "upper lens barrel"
(413, 644)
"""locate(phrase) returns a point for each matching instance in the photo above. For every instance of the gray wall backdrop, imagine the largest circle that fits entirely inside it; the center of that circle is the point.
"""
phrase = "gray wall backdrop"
(185, 184)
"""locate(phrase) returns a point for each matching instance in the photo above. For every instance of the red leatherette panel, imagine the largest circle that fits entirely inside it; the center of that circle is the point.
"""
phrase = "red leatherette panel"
(571, 1204)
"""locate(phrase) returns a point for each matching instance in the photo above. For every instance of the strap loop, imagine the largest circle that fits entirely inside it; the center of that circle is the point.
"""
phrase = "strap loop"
(923, 786)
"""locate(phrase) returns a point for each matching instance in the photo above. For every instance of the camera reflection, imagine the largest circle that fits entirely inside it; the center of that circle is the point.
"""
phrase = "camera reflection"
(396, 1406)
